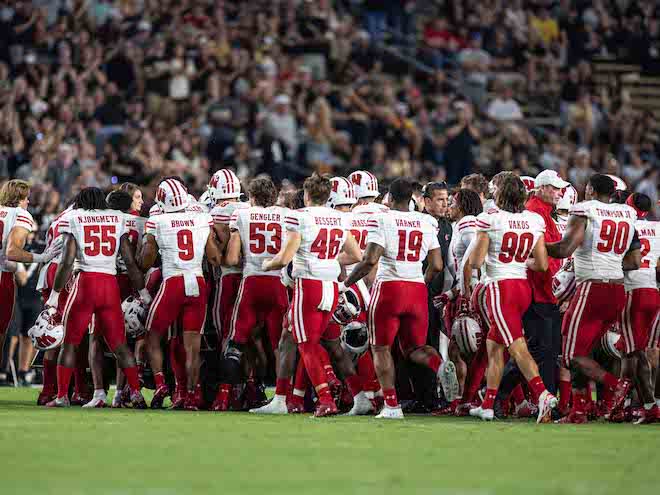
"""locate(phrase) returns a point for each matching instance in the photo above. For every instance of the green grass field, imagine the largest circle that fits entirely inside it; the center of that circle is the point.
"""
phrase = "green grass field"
(143, 452)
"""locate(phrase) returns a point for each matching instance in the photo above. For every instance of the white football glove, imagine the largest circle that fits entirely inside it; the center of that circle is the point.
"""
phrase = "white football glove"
(145, 296)
(53, 299)
(52, 251)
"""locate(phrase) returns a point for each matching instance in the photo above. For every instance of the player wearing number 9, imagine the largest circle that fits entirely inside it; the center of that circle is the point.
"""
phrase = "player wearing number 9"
(510, 241)
(601, 236)
(182, 237)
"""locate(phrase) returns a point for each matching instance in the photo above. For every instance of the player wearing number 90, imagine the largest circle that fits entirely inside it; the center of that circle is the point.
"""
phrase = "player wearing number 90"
(602, 236)
(182, 238)
(506, 240)
(256, 233)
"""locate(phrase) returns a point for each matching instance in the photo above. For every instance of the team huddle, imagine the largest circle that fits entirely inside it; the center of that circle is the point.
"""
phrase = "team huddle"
(333, 287)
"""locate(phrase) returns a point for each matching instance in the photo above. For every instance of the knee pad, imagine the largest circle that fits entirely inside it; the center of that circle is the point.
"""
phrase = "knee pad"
(578, 379)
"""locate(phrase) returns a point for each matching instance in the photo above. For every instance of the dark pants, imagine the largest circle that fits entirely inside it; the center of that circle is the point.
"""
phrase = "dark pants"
(542, 324)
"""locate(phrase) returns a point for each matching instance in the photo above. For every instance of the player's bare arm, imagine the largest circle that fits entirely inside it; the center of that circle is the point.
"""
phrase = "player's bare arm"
(222, 235)
(127, 250)
(285, 256)
(435, 265)
(475, 259)
(16, 248)
(350, 253)
(233, 256)
(212, 250)
(538, 262)
(573, 237)
(148, 254)
(369, 260)
(633, 258)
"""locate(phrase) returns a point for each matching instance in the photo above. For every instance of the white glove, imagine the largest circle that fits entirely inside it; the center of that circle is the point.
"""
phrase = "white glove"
(52, 251)
(6, 265)
(342, 287)
(145, 296)
(53, 299)
(264, 265)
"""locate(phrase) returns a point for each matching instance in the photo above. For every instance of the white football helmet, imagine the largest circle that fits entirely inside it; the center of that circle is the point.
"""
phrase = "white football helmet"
(467, 333)
(618, 182)
(563, 283)
(355, 338)
(568, 198)
(171, 196)
(365, 184)
(155, 210)
(348, 308)
(529, 182)
(135, 316)
(224, 185)
(206, 199)
(609, 343)
(48, 331)
(342, 193)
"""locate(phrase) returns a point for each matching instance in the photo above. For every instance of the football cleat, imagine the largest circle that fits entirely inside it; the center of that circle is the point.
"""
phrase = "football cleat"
(574, 418)
(59, 402)
(525, 410)
(361, 406)
(96, 402)
(649, 416)
(463, 408)
(80, 399)
(191, 403)
(390, 413)
(448, 410)
(378, 402)
(448, 380)
(483, 414)
(159, 397)
(178, 399)
(221, 402)
(45, 397)
(117, 403)
(324, 409)
(275, 406)
(619, 397)
(296, 405)
(547, 402)
(137, 401)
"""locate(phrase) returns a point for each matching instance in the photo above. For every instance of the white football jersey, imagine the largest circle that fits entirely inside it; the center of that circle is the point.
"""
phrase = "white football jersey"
(512, 239)
(52, 233)
(11, 217)
(135, 227)
(609, 232)
(221, 214)
(407, 237)
(463, 233)
(262, 236)
(181, 238)
(649, 237)
(562, 223)
(98, 234)
(323, 233)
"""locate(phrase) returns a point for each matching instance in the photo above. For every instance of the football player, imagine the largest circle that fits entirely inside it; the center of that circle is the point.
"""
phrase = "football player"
(505, 240)
(399, 241)
(93, 237)
(601, 237)
(182, 238)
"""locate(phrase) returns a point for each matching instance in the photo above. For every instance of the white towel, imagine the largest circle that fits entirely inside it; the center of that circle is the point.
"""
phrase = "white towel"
(41, 281)
(191, 285)
(328, 295)
(364, 292)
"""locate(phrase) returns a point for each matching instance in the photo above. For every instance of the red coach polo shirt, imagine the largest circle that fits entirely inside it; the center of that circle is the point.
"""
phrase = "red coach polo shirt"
(541, 282)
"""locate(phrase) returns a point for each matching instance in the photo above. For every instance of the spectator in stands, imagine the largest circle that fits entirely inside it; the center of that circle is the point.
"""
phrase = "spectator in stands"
(504, 108)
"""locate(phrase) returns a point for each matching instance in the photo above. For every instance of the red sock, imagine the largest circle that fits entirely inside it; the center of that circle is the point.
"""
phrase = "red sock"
(132, 378)
(354, 384)
(282, 386)
(389, 395)
(367, 373)
(434, 363)
(475, 374)
(564, 393)
(301, 381)
(178, 361)
(536, 387)
(63, 380)
(610, 381)
(50, 375)
(517, 395)
(489, 400)
(313, 355)
(159, 378)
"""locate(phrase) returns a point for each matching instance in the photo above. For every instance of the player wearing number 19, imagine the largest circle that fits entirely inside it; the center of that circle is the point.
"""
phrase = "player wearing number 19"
(505, 240)
(602, 236)
(182, 238)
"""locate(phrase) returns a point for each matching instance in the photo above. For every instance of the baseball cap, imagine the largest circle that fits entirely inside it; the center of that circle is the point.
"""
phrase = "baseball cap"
(550, 177)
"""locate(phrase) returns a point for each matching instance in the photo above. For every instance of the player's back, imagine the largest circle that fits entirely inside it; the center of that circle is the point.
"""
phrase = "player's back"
(649, 238)
(98, 234)
(608, 235)
(11, 217)
(406, 238)
(512, 239)
(221, 214)
(181, 238)
(323, 233)
(261, 230)
(463, 232)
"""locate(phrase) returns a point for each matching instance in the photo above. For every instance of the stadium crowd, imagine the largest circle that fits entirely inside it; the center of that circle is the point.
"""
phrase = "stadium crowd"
(103, 93)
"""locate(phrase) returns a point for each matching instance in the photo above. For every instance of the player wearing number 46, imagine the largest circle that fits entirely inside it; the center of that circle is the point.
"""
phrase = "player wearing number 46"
(182, 237)
(601, 236)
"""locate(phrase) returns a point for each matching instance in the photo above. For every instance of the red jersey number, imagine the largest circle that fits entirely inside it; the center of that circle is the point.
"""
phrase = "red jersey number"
(410, 245)
(614, 236)
(100, 239)
(184, 240)
(360, 238)
(646, 247)
(258, 243)
(516, 247)
(327, 243)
